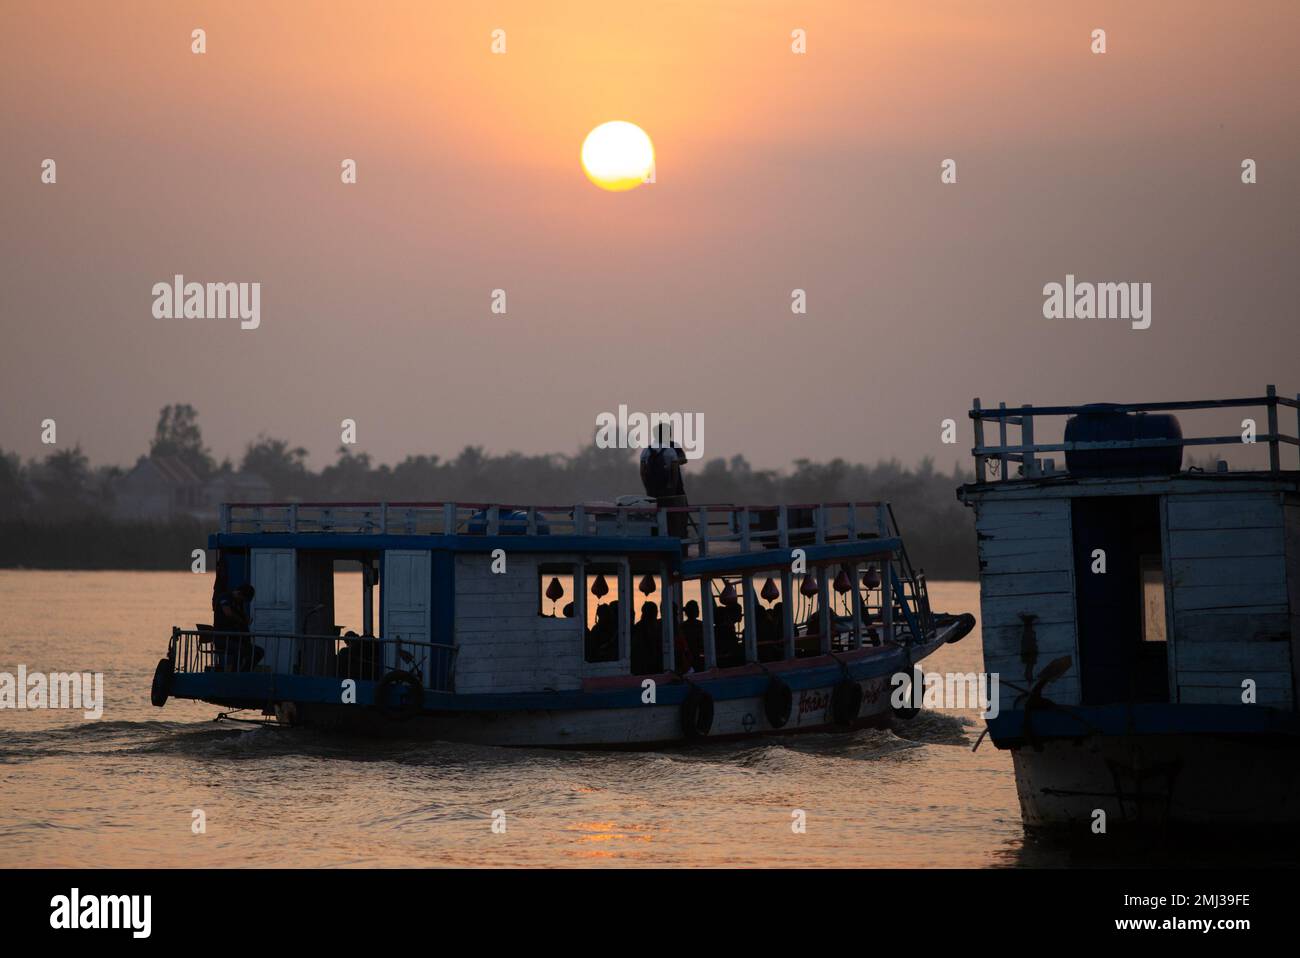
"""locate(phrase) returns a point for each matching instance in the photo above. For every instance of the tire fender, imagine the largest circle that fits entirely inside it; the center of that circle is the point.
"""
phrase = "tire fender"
(778, 701)
(162, 683)
(697, 713)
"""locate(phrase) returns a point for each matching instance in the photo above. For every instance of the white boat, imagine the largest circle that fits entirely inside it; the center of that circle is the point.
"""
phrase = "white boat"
(514, 625)
(1144, 619)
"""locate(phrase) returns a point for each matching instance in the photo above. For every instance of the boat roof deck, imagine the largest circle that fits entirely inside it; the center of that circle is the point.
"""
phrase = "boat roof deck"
(994, 460)
(710, 530)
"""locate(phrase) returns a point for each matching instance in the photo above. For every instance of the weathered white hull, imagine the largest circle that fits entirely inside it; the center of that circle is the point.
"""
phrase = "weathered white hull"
(1158, 780)
(640, 726)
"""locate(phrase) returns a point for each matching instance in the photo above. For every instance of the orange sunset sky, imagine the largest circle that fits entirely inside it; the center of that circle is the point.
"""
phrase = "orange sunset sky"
(775, 171)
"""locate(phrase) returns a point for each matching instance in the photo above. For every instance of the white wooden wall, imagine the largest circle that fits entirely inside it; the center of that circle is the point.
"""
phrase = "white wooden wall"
(275, 607)
(504, 645)
(407, 595)
(1027, 560)
(1232, 614)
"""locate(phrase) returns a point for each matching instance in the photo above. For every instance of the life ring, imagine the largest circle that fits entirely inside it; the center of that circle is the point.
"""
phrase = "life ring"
(412, 699)
(162, 683)
(778, 700)
(846, 701)
(697, 713)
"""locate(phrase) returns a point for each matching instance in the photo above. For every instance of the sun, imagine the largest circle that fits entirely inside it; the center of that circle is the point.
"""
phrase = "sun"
(618, 156)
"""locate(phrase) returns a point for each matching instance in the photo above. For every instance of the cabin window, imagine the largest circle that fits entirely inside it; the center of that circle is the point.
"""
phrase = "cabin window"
(555, 596)
(728, 622)
(601, 641)
(769, 613)
(807, 615)
(355, 593)
(1153, 598)
(647, 625)
(690, 627)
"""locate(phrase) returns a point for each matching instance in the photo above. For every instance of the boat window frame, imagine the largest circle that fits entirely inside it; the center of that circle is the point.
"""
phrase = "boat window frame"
(546, 570)
(666, 591)
(621, 568)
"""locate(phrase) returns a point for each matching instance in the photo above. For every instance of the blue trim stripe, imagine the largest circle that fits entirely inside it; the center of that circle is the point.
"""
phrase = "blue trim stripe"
(1075, 722)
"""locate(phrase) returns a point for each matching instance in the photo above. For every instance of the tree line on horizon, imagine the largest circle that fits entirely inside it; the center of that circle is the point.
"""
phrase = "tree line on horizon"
(66, 491)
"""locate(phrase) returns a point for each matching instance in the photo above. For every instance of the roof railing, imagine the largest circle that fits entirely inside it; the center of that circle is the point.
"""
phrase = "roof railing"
(1026, 452)
(707, 529)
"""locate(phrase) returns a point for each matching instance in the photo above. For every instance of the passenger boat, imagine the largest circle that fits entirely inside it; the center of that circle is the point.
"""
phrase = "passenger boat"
(511, 625)
(1144, 619)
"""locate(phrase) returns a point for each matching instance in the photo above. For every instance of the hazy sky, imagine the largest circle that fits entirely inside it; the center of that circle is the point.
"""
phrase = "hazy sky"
(775, 171)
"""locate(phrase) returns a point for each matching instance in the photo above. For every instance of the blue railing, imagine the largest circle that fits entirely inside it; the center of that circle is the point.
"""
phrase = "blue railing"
(363, 658)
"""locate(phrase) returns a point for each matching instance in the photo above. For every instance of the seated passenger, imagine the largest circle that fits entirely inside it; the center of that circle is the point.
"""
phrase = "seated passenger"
(771, 641)
(690, 641)
(601, 644)
(232, 613)
(359, 658)
(647, 642)
(728, 645)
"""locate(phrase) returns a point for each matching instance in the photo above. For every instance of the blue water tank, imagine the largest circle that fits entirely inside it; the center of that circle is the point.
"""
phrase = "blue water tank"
(1102, 422)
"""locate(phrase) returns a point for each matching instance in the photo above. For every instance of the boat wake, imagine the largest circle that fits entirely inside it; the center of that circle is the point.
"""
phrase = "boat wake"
(216, 740)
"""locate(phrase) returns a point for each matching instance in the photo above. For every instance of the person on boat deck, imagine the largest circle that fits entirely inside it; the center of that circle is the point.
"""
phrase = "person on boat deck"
(690, 641)
(602, 638)
(771, 633)
(359, 657)
(728, 644)
(231, 614)
(647, 642)
(661, 476)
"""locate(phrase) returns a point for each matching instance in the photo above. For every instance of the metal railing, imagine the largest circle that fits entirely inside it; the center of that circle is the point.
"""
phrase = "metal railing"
(1026, 452)
(704, 529)
(363, 658)
(840, 616)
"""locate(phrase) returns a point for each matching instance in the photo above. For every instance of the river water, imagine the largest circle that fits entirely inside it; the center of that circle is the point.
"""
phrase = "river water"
(124, 790)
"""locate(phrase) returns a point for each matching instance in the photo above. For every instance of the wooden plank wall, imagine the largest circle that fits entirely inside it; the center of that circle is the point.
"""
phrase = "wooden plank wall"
(1227, 558)
(1027, 560)
(505, 646)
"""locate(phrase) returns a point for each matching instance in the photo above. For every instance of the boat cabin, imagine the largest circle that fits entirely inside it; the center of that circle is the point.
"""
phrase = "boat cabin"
(1156, 583)
(478, 598)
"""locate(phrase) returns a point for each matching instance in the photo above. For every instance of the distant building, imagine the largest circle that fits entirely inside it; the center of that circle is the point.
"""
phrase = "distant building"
(158, 489)
(164, 487)
(234, 487)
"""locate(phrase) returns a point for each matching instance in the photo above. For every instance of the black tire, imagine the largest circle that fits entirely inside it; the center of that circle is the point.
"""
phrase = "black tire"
(697, 713)
(412, 698)
(846, 702)
(162, 683)
(778, 700)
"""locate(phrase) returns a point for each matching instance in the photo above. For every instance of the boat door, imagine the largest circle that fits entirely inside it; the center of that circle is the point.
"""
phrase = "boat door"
(407, 599)
(274, 604)
(315, 612)
(1119, 599)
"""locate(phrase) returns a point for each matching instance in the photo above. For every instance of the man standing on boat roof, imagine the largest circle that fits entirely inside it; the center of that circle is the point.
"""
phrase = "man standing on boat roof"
(661, 475)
